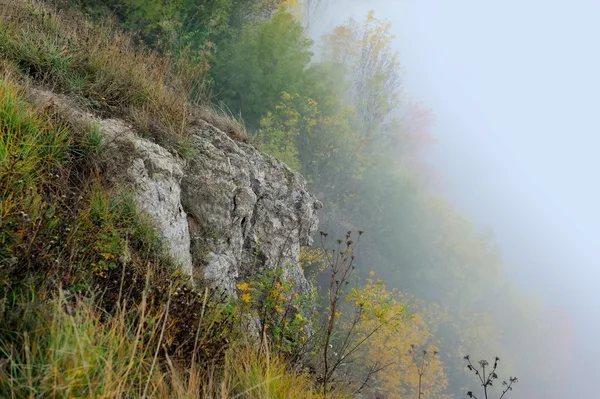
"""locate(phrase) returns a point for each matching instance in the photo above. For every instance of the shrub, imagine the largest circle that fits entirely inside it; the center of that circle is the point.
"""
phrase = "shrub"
(283, 312)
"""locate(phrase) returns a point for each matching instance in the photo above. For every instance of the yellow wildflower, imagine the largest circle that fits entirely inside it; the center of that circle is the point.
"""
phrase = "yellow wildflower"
(243, 287)
(247, 297)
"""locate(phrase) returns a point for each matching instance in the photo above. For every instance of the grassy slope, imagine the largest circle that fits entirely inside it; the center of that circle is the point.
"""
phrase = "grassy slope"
(78, 314)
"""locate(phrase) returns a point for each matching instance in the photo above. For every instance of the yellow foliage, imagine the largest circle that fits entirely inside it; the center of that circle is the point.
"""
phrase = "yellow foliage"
(294, 7)
(244, 287)
(366, 52)
(247, 297)
(403, 342)
(312, 257)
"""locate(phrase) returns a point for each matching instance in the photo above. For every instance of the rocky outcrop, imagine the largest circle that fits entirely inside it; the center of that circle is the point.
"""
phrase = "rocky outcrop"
(225, 212)
(246, 209)
(154, 175)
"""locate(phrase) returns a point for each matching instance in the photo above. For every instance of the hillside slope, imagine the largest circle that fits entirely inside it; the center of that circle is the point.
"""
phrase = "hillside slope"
(127, 220)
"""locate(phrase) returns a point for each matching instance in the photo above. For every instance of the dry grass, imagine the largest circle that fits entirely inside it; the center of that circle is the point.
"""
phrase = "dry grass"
(60, 225)
(108, 71)
(73, 350)
(224, 120)
(78, 315)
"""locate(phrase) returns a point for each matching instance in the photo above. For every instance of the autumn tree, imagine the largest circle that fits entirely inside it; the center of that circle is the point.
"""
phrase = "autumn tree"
(406, 348)
(320, 143)
(374, 338)
(365, 51)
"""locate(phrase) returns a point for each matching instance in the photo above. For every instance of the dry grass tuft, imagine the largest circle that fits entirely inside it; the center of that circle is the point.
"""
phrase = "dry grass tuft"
(223, 120)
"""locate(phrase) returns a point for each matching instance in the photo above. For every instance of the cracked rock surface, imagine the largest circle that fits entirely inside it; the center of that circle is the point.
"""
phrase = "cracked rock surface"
(155, 176)
(246, 210)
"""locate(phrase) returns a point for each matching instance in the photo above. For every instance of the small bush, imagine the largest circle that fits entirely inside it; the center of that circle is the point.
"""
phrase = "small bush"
(282, 311)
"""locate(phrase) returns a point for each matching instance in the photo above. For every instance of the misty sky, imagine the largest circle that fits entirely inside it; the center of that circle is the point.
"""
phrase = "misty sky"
(514, 87)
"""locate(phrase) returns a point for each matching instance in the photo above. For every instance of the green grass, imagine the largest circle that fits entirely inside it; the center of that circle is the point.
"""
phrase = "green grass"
(33, 148)
(90, 303)
(55, 214)
(73, 353)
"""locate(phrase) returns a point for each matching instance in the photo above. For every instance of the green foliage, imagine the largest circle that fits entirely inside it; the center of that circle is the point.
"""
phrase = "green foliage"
(47, 223)
(278, 135)
(252, 71)
(319, 144)
(33, 148)
(283, 311)
(65, 240)
(65, 346)
(93, 139)
(194, 22)
(347, 141)
(73, 353)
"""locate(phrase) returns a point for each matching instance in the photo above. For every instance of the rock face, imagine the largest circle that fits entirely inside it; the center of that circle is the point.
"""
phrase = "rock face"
(226, 212)
(246, 210)
(155, 176)
(223, 213)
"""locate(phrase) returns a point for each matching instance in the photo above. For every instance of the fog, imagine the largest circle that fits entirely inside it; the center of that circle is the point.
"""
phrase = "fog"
(514, 88)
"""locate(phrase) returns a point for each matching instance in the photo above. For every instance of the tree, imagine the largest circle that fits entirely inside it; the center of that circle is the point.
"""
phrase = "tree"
(322, 145)
(365, 52)
(405, 347)
(252, 71)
